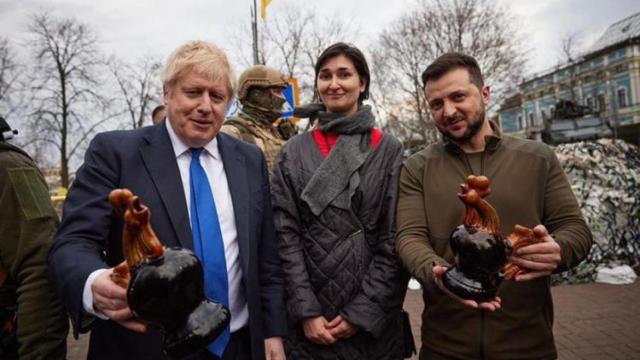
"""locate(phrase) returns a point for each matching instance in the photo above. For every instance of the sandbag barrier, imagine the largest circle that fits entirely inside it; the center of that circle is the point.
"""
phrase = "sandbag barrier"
(605, 177)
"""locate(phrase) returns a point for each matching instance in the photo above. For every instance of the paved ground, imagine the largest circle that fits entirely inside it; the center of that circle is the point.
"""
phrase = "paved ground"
(592, 321)
(597, 321)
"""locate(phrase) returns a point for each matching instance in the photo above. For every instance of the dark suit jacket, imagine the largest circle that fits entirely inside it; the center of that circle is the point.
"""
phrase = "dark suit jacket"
(90, 235)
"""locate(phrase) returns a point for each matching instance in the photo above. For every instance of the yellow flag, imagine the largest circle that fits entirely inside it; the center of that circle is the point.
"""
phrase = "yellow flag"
(263, 8)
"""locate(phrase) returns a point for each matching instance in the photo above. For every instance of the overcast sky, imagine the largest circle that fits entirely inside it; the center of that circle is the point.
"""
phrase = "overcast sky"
(132, 28)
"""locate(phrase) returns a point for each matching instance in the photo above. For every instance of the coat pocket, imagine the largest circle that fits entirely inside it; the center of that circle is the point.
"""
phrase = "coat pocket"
(344, 255)
(343, 264)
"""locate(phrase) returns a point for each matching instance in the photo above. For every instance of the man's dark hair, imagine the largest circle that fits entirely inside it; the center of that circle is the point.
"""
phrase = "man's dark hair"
(156, 110)
(357, 58)
(451, 61)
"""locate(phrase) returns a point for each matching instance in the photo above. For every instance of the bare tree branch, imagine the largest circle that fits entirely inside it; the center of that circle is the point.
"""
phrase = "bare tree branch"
(65, 85)
(139, 88)
(10, 71)
(292, 40)
(479, 28)
(569, 51)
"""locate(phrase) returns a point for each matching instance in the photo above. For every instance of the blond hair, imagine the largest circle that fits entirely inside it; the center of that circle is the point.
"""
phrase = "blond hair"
(204, 58)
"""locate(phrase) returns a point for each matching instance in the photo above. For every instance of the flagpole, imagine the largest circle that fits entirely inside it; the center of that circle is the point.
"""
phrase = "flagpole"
(254, 26)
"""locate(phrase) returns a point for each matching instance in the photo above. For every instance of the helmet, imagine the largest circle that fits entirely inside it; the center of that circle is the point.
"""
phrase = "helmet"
(260, 76)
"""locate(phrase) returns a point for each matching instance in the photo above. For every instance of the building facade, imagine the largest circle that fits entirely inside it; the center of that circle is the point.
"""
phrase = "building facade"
(606, 79)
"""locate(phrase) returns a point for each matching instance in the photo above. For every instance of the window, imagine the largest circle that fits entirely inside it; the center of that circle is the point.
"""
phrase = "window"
(532, 119)
(622, 97)
(601, 104)
(589, 102)
(520, 123)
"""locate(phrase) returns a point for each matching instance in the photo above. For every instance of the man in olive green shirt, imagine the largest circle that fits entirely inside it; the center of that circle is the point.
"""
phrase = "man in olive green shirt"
(28, 222)
(529, 188)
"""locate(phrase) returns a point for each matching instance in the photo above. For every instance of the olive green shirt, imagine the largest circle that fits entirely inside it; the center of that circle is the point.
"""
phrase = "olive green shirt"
(26, 229)
(529, 188)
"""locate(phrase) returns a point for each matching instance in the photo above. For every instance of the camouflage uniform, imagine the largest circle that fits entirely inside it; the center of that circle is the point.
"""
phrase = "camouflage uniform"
(267, 138)
(259, 110)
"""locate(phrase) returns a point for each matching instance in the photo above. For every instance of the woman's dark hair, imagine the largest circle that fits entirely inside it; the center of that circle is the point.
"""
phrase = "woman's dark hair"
(357, 58)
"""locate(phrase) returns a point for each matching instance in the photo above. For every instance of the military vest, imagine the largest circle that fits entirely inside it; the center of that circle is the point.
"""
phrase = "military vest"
(268, 139)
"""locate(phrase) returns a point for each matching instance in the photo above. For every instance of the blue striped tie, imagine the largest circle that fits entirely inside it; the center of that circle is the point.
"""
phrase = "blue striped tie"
(208, 244)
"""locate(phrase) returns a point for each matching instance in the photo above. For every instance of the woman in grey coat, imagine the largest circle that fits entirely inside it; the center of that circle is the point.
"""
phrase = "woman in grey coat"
(334, 194)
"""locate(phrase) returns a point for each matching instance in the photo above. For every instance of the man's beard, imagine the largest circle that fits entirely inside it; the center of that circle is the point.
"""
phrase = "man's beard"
(473, 128)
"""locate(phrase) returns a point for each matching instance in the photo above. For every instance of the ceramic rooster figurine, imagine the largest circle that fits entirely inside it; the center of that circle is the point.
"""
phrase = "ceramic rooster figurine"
(165, 286)
(481, 252)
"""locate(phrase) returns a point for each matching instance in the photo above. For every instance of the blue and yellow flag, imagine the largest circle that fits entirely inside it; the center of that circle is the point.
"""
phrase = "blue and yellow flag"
(263, 8)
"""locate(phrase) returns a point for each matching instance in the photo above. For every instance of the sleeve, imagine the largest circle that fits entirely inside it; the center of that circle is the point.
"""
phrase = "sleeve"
(563, 218)
(274, 318)
(231, 130)
(300, 298)
(42, 324)
(385, 281)
(80, 245)
(412, 239)
(238, 131)
(87, 295)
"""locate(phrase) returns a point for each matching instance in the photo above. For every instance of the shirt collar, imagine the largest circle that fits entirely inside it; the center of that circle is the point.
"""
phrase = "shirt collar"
(491, 141)
(179, 147)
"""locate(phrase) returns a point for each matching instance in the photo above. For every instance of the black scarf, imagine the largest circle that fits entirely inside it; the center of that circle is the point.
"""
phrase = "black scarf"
(337, 178)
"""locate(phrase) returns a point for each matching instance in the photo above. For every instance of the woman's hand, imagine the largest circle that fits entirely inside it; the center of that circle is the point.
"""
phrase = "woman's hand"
(315, 329)
(341, 328)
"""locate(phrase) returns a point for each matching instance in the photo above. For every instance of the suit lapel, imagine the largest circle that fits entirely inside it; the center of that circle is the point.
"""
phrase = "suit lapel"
(166, 178)
(236, 171)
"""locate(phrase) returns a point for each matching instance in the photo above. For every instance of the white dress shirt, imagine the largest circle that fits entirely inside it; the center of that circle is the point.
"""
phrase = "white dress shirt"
(211, 161)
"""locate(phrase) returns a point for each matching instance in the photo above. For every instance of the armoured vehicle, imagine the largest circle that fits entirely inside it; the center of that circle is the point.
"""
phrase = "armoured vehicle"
(571, 122)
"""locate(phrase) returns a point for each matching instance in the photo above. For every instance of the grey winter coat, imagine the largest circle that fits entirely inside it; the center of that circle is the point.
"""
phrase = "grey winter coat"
(341, 262)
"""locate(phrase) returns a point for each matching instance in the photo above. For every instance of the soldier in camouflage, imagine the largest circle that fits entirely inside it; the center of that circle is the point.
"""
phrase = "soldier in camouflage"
(33, 324)
(260, 95)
